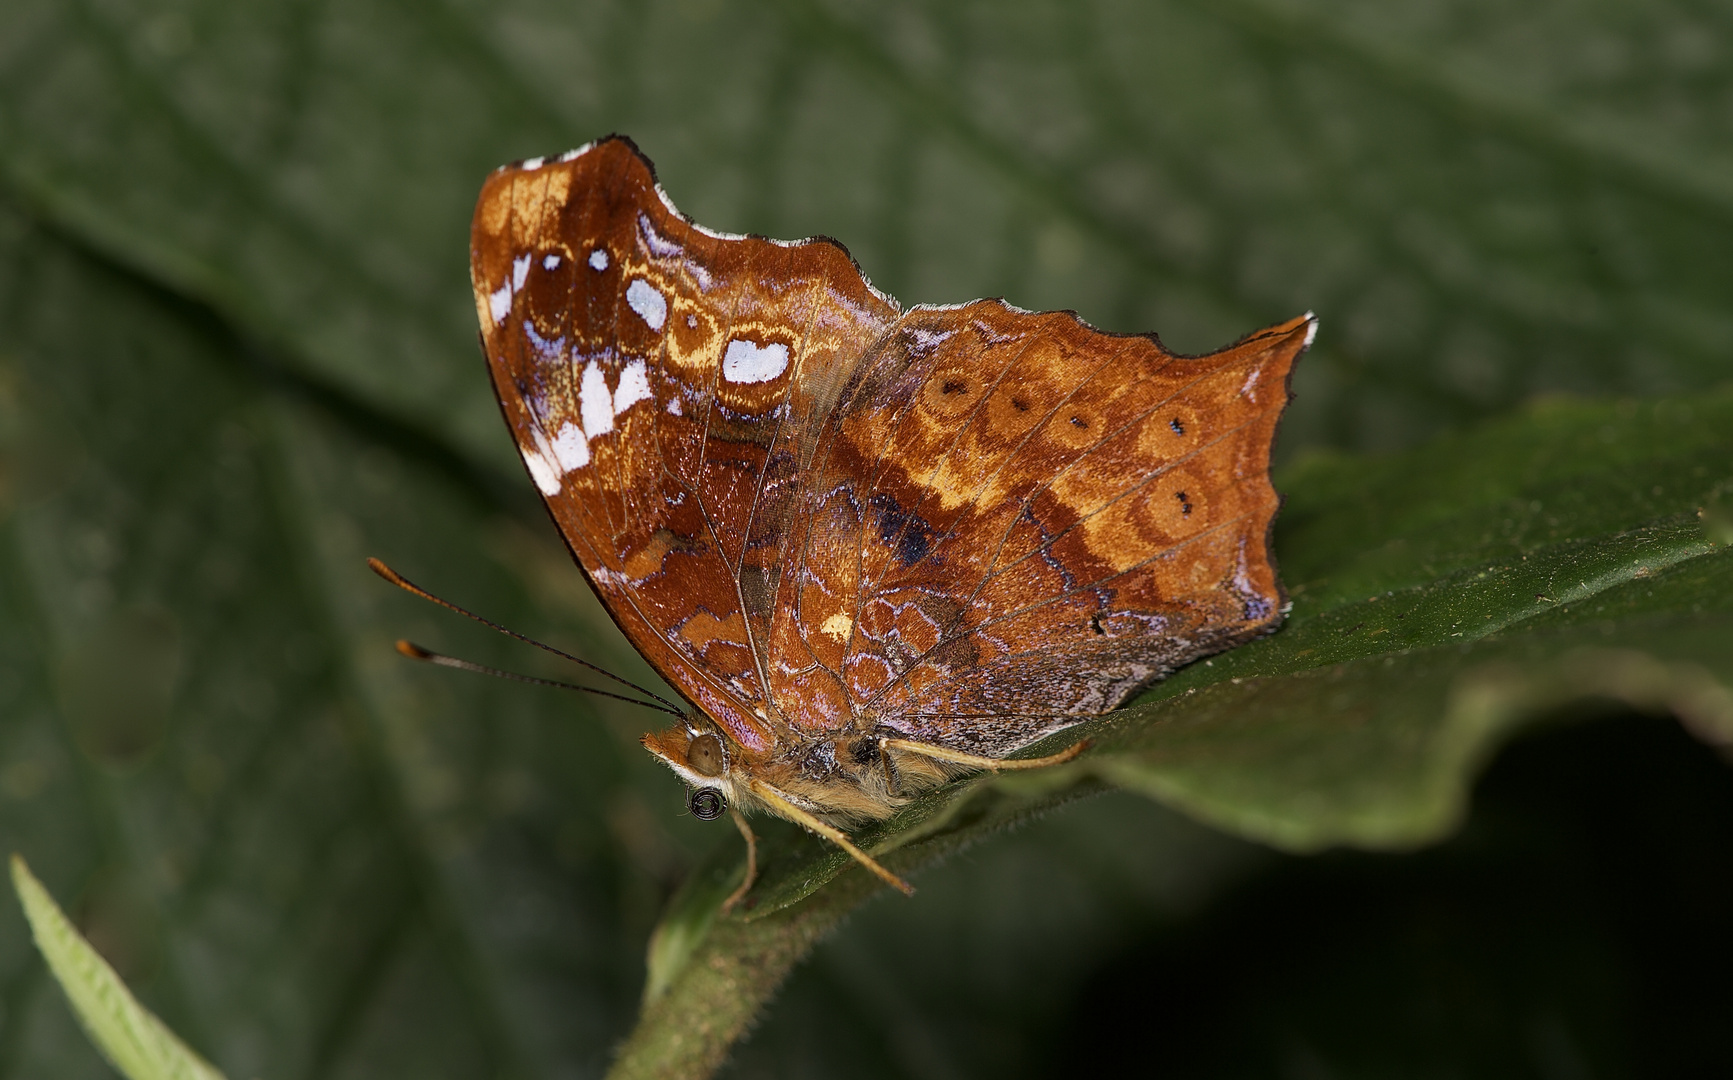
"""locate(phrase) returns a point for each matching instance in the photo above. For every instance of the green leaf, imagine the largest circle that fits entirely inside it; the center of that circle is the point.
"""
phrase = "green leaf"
(237, 355)
(131, 1037)
(1362, 722)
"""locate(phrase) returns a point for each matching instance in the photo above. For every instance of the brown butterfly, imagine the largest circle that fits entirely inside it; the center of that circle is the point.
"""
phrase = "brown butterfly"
(871, 547)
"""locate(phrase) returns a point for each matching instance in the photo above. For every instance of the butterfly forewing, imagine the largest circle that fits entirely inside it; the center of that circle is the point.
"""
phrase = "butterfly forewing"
(660, 382)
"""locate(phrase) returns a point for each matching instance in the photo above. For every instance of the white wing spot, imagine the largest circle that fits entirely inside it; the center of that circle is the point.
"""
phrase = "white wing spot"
(692, 321)
(1311, 330)
(595, 403)
(837, 626)
(674, 406)
(928, 340)
(598, 259)
(532, 164)
(499, 302)
(550, 261)
(547, 478)
(634, 387)
(647, 302)
(570, 448)
(1251, 381)
(746, 362)
(520, 269)
(658, 244)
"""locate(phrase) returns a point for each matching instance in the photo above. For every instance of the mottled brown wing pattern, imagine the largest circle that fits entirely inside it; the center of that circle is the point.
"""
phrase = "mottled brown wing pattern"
(871, 547)
(664, 385)
(815, 514)
(1013, 516)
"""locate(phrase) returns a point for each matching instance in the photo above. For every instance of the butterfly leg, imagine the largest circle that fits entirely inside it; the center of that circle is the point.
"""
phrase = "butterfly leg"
(739, 894)
(775, 800)
(893, 778)
(976, 761)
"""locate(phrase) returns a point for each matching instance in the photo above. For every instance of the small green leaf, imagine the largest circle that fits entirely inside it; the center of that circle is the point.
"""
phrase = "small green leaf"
(127, 1033)
(1717, 516)
(688, 919)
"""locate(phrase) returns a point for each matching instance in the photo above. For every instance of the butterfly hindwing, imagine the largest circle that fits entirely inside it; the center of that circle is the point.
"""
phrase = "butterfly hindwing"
(1047, 517)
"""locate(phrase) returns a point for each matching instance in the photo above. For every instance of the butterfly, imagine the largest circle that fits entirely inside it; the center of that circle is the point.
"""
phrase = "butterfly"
(871, 547)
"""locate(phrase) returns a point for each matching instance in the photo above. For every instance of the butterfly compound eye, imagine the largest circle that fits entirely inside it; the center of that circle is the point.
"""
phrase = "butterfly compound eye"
(707, 804)
(705, 755)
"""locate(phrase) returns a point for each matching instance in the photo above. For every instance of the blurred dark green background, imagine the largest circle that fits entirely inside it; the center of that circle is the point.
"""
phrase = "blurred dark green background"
(237, 356)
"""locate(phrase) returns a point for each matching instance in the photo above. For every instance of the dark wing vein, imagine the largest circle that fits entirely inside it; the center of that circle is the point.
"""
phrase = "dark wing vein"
(939, 461)
(1034, 493)
(1011, 457)
(820, 295)
(761, 654)
(1047, 543)
(1047, 602)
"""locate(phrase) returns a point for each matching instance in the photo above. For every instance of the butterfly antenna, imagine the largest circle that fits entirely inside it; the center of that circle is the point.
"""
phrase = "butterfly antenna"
(408, 586)
(416, 652)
